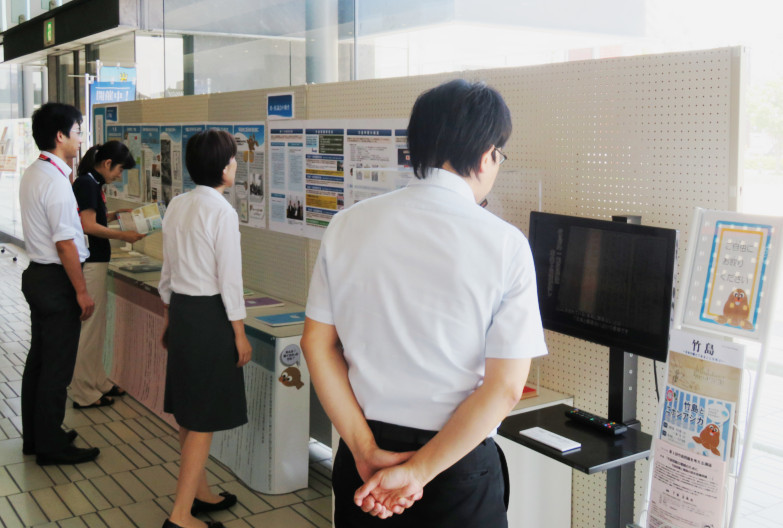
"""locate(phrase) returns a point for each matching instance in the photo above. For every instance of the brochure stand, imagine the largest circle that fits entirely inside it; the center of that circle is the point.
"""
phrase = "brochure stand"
(727, 293)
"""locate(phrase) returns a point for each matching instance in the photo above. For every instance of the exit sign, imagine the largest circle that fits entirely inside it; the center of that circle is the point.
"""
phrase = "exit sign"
(48, 32)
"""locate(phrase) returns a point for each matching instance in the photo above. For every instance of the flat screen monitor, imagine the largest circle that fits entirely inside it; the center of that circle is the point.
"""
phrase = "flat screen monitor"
(610, 283)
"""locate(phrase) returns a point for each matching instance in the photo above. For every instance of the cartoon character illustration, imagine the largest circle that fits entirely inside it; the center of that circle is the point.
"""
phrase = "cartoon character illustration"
(736, 310)
(291, 377)
(250, 154)
(709, 438)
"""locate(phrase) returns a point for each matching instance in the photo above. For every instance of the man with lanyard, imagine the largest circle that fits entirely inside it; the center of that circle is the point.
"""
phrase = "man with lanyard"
(422, 317)
(53, 285)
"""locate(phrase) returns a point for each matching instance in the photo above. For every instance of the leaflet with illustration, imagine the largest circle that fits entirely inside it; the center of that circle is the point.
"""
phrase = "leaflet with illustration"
(145, 219)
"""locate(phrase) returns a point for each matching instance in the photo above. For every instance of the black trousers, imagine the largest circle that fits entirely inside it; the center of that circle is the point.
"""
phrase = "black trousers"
(469, 494)
(54, 317)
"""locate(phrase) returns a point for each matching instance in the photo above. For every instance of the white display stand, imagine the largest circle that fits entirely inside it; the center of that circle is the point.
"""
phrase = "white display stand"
(269, 453)
(540, 486)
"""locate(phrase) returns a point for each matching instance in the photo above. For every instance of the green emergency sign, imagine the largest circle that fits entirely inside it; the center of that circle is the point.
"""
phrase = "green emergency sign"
(49, 32)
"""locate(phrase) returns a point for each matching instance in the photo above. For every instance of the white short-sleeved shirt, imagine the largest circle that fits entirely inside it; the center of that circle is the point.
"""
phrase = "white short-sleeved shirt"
(201, 250)
(50, 213)
(422, 286)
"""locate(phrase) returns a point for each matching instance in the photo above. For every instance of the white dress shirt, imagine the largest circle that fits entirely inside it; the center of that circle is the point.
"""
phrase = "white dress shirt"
(49, 210)
(201, 250)
(422, 286)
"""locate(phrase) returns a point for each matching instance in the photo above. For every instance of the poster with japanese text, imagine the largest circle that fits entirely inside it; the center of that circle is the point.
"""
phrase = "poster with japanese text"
(702, 392)
(98, 126)
(171, 160)
(249, 182)
(695, 441)
(152, 185)
(377, 158)
(117, 189)
(134, 189)
(188, 131)
(229, 192)
(687, 490)
(286, 177)
(324, 165)
(733, 265)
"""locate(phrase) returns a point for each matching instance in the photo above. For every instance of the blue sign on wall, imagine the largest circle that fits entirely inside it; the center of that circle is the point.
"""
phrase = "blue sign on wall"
(280, 106)
(108, 92)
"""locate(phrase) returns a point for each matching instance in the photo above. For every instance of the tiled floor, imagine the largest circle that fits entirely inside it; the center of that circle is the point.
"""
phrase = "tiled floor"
(132, 482)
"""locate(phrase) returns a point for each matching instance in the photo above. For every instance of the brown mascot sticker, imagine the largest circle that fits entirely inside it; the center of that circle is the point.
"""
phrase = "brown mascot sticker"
(291, 377)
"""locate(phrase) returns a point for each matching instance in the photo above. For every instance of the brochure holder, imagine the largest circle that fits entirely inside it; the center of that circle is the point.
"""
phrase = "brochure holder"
(727, 297)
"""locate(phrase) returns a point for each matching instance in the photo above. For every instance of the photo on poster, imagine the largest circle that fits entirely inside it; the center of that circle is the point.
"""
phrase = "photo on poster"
(248, 189)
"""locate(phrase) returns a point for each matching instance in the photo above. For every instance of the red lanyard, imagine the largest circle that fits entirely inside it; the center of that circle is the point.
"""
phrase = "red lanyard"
(44, 158)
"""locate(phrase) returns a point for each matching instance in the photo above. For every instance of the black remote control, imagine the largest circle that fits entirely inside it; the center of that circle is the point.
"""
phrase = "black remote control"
(603, 425)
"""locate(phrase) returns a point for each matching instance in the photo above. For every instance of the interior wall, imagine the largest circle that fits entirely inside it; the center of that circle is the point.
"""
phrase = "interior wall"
(652, 135)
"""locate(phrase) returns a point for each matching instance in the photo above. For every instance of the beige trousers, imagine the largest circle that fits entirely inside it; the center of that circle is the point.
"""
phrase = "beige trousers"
(89, 381)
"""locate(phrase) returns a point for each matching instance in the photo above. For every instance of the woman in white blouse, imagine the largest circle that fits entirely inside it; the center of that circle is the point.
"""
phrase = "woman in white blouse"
(201, 286)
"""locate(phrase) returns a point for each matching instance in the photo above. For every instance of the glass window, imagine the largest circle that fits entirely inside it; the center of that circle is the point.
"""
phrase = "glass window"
(255, 44)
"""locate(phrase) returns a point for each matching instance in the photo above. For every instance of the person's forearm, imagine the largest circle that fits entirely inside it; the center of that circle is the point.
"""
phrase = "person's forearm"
(69, 256)
(329, 376)
(239, 327)
(102, 231)
(472, 422)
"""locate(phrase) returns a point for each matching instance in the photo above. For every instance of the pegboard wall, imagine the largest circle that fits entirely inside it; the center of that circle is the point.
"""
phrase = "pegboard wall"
(652, 135)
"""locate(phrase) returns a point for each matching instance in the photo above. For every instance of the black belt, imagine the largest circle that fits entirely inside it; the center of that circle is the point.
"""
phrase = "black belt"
(400, 433)
(50, 264)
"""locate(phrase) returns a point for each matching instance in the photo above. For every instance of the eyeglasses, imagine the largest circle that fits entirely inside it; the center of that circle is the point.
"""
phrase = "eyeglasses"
(78, 131)
(503, 157)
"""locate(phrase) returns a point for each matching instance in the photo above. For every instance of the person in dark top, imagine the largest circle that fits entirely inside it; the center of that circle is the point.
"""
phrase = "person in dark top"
(101, 164)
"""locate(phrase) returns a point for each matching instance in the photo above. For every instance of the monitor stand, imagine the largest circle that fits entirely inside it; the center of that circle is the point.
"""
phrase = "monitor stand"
(622, 408)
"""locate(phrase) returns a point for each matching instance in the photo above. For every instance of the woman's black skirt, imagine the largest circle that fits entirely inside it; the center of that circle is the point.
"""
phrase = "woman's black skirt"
(205, 390)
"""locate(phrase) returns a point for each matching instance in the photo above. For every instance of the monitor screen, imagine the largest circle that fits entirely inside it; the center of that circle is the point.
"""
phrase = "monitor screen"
(606, 282)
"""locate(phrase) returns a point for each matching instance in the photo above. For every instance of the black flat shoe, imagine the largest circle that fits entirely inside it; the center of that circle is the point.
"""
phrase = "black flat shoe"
(102, 402)
(69, 455)
(213, 524)
(116, 390)
(200, 506)
(69, 435)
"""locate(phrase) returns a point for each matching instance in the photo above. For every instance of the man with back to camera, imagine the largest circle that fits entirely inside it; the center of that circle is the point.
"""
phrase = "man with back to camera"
(422, 318)
(53, 285)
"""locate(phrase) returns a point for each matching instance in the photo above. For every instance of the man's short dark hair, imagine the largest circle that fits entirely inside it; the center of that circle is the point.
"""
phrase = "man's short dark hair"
(207, 154)
(457, 122)
(52, 118)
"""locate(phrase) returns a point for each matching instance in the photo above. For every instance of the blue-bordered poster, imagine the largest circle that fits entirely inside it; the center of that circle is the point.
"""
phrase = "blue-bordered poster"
(731, 270)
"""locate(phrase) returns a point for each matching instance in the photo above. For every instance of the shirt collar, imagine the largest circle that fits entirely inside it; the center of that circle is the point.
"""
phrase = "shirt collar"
(447, 180)
(64, 167)
(99, 179)
(206, 189)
